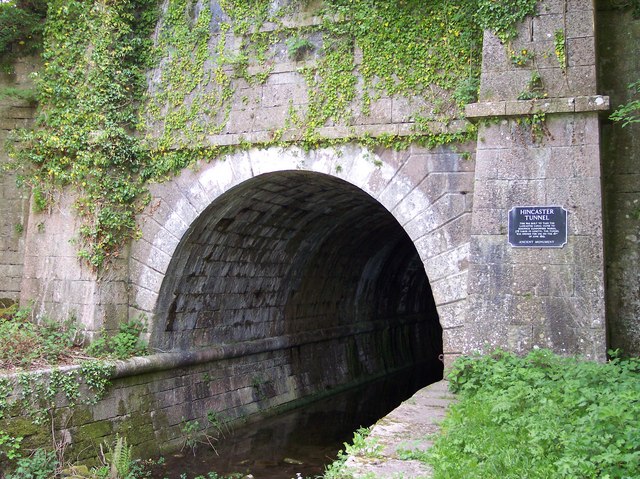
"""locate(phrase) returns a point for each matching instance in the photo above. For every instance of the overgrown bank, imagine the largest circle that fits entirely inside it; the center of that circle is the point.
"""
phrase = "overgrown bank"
(540, 416)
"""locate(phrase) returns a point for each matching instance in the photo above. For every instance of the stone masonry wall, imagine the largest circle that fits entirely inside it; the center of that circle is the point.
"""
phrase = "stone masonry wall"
(14, 202)
(619, 65)
(156, 401)
(520, 298)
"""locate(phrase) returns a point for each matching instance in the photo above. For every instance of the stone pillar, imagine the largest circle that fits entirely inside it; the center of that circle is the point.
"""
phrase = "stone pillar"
(539, 147)
(15, 112)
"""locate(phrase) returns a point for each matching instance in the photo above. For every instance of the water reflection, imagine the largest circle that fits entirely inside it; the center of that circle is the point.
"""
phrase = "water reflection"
(303, 440)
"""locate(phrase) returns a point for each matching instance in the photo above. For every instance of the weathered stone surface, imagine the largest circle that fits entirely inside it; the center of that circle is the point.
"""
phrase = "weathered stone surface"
(287, 264)
(618, 40)
(409, 426)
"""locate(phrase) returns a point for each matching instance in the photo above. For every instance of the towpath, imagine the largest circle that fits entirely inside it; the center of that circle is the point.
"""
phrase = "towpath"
(409, 426)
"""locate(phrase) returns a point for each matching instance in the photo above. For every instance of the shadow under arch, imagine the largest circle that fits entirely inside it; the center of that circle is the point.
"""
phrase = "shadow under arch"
(306, 282)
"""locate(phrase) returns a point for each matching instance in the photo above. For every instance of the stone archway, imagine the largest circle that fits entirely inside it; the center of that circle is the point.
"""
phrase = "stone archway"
(406, 201)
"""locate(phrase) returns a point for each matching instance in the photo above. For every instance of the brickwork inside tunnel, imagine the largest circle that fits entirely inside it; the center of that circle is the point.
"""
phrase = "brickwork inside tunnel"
(306, 257)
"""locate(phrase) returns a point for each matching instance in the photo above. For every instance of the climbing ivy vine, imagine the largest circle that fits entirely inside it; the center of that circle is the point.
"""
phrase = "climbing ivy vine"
(129, 94)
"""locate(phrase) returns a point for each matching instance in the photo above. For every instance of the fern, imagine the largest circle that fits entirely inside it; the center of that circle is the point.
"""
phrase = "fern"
(118, 459)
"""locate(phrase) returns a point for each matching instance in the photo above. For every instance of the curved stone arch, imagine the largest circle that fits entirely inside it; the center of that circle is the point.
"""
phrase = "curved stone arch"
(425, 191)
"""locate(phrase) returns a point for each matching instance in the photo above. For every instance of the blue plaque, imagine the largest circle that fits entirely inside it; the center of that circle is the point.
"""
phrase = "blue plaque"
(538, 227)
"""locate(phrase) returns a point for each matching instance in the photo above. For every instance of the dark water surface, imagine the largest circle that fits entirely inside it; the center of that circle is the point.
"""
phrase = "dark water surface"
(311, 435)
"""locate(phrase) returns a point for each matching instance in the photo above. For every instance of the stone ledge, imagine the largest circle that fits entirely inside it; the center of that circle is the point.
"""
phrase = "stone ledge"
(577, 104)
(351, 132)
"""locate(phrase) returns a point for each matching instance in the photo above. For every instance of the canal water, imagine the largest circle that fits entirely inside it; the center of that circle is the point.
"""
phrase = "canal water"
(300, 441)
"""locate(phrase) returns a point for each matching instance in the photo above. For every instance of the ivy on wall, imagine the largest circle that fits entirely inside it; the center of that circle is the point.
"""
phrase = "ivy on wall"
(105, 129)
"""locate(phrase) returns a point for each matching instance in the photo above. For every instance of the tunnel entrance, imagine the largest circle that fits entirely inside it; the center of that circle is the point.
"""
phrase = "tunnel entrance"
(305, 283)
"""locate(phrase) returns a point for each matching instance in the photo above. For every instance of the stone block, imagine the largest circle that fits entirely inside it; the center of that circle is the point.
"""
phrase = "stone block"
(582, 80)
(545, 26)
(455, 340)
(519, 163)
(506, 85)
(489, 221)
(580, 51)
(284, 94)
(582, 199)
(176, 200)
(247, 98)
(158, 236)
(580, 24)
(149, 255)
(449, 263)
(506, 194)
(592, 103)
(574, 161)
(268, 118)
(452, 315)
(403, 109)
(284, 78)
(380, 112)
(520, 338)
(450, 289)
(569, 130)
(485, 109)
(146, 276)
(495, 56)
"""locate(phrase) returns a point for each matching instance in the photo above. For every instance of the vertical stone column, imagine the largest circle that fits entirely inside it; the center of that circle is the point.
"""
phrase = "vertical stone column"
(14, 202)
(538, 147)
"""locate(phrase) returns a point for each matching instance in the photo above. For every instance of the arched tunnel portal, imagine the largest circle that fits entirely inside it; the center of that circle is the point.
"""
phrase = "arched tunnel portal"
(308, 274)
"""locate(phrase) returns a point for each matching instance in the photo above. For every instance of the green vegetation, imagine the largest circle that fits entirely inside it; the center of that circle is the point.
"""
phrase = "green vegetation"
(21, 24)
(25, 343)
(540, 416)
(122, 345)
(25, 94)
(99, 133)
(28, 343)
(560, 45)
(629, 113)
(361, 445)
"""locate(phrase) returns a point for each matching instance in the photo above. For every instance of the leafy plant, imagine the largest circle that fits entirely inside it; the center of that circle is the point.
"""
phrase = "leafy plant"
(534, 89)
(560, 48)
(117, 459)
(545, 415)
(25, 94)
(521, 57)
(629, 113)
(467, 91)
(502, 17)
(363, 445)
(41, 464)
(218, 423)
(10, 445)
(21, 24)
(297, 47)
(25, 342)
(122, 345)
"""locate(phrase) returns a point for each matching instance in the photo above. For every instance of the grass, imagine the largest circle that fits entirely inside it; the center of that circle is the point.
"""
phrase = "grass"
(29, 342)
(539, 416)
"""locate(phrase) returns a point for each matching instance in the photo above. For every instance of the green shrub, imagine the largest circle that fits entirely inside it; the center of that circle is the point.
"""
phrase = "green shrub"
(40, 465)
(541, 416)
(21, 25)
(122, 345)
(24, 342)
